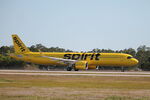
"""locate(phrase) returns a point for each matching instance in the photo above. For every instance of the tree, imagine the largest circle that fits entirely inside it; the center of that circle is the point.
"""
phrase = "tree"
(130, 51)
(143, 54)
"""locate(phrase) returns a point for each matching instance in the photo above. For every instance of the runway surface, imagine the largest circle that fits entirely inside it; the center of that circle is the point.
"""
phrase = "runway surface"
(74, 73)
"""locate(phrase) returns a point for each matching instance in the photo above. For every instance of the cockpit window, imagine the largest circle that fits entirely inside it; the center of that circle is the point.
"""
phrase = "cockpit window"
(129, 57)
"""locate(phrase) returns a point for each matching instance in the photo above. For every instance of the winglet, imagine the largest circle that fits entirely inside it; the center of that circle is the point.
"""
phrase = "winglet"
(19, 46)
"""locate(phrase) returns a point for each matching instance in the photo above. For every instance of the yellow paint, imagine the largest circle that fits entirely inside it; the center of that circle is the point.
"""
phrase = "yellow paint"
(91, 59)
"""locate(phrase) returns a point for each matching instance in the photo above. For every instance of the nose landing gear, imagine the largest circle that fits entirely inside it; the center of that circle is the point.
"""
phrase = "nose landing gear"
(122, 69)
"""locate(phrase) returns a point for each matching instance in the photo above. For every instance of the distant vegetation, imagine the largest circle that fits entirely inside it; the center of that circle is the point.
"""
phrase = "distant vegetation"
(142, 54)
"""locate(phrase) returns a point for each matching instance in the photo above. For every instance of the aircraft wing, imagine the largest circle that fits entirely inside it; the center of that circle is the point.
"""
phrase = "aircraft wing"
(61, 60)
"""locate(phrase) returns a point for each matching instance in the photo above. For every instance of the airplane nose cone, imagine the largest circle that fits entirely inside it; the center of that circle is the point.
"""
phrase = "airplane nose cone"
(135, 61)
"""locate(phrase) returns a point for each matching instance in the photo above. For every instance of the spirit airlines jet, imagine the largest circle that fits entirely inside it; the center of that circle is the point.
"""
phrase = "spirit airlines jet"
(72, 60)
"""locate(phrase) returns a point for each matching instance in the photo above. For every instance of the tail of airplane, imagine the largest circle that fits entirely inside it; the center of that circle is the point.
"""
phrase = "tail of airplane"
(19, 46)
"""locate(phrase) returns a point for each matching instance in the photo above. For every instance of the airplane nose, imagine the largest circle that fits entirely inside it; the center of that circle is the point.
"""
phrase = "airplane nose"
(135, 61)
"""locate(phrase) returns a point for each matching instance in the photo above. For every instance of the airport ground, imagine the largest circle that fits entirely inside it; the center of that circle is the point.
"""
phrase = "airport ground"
(82, 85)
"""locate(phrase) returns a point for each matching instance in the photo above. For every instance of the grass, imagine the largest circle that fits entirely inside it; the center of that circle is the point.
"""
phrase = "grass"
(5, 80)
(25, 87)
(125, 98)
(75, 82)
(3, 97)
(59, 98)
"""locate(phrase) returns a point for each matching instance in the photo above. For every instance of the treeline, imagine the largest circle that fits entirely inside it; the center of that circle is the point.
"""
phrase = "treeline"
(142, 53)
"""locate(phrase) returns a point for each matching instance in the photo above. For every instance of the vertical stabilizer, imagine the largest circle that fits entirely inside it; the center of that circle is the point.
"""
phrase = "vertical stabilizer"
(19, 46)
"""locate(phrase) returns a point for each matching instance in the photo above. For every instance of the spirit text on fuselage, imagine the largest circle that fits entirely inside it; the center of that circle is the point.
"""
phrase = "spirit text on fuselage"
(83, 56)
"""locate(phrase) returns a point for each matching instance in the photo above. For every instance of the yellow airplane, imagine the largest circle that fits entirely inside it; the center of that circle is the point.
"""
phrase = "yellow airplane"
(72, 60)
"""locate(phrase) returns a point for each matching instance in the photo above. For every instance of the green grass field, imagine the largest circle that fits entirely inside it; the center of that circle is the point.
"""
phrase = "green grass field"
(25, 87)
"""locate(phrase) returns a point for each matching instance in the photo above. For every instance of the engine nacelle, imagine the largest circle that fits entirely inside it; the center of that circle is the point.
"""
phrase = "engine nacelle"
(81, 65)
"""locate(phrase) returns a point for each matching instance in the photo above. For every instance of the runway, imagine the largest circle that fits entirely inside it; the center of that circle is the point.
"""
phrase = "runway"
(74, 73)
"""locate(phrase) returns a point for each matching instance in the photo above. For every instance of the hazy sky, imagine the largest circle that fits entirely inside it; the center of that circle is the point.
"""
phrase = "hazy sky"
(79, 25)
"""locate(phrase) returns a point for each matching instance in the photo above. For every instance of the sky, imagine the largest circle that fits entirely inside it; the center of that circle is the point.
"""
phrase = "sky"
(78, 25)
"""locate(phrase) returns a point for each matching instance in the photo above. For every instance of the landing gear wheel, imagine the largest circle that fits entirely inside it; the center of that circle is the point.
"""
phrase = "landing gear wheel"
(69, 68)
(76, 69)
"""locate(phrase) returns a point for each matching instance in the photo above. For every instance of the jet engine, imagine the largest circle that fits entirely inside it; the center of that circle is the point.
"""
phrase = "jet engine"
(81, 65)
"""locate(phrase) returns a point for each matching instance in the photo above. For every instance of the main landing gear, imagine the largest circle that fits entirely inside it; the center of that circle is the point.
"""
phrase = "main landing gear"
(76, 69)
(69, 68)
